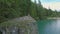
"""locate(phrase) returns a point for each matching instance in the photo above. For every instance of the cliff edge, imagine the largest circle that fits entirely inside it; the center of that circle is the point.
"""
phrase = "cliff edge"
(22, 25)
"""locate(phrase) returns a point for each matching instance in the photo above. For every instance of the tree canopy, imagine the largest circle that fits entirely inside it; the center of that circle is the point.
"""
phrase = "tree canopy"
(10, 9)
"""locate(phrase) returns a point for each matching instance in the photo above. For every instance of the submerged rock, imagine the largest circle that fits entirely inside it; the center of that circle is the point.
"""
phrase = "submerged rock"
(22, 25)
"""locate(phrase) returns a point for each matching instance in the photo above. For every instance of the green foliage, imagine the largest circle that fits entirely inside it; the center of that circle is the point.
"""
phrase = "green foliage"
(38, 12)
(10, 9)
(13, 8)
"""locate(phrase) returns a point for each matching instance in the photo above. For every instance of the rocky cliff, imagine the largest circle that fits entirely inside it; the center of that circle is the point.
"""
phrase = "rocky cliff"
(22, 25)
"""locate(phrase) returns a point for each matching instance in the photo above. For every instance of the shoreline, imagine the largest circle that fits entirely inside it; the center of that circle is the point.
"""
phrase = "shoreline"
(53, 18)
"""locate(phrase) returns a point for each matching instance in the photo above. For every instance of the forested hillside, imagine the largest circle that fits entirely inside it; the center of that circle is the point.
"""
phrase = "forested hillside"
(39, 12)
(13, 8)
(10, 9)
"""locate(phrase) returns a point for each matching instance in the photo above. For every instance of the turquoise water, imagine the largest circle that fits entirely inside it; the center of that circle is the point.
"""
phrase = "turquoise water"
(49, 26)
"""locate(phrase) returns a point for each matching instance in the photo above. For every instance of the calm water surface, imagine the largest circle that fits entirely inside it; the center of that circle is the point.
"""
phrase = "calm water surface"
(49, 26)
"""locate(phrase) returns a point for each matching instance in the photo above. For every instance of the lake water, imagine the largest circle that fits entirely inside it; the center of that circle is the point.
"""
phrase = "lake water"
(49, 26)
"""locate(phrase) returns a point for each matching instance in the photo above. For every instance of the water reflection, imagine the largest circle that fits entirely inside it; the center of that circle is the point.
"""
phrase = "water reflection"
(51, 27)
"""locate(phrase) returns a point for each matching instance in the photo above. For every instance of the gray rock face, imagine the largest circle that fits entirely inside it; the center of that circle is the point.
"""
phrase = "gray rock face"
(22, 25)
